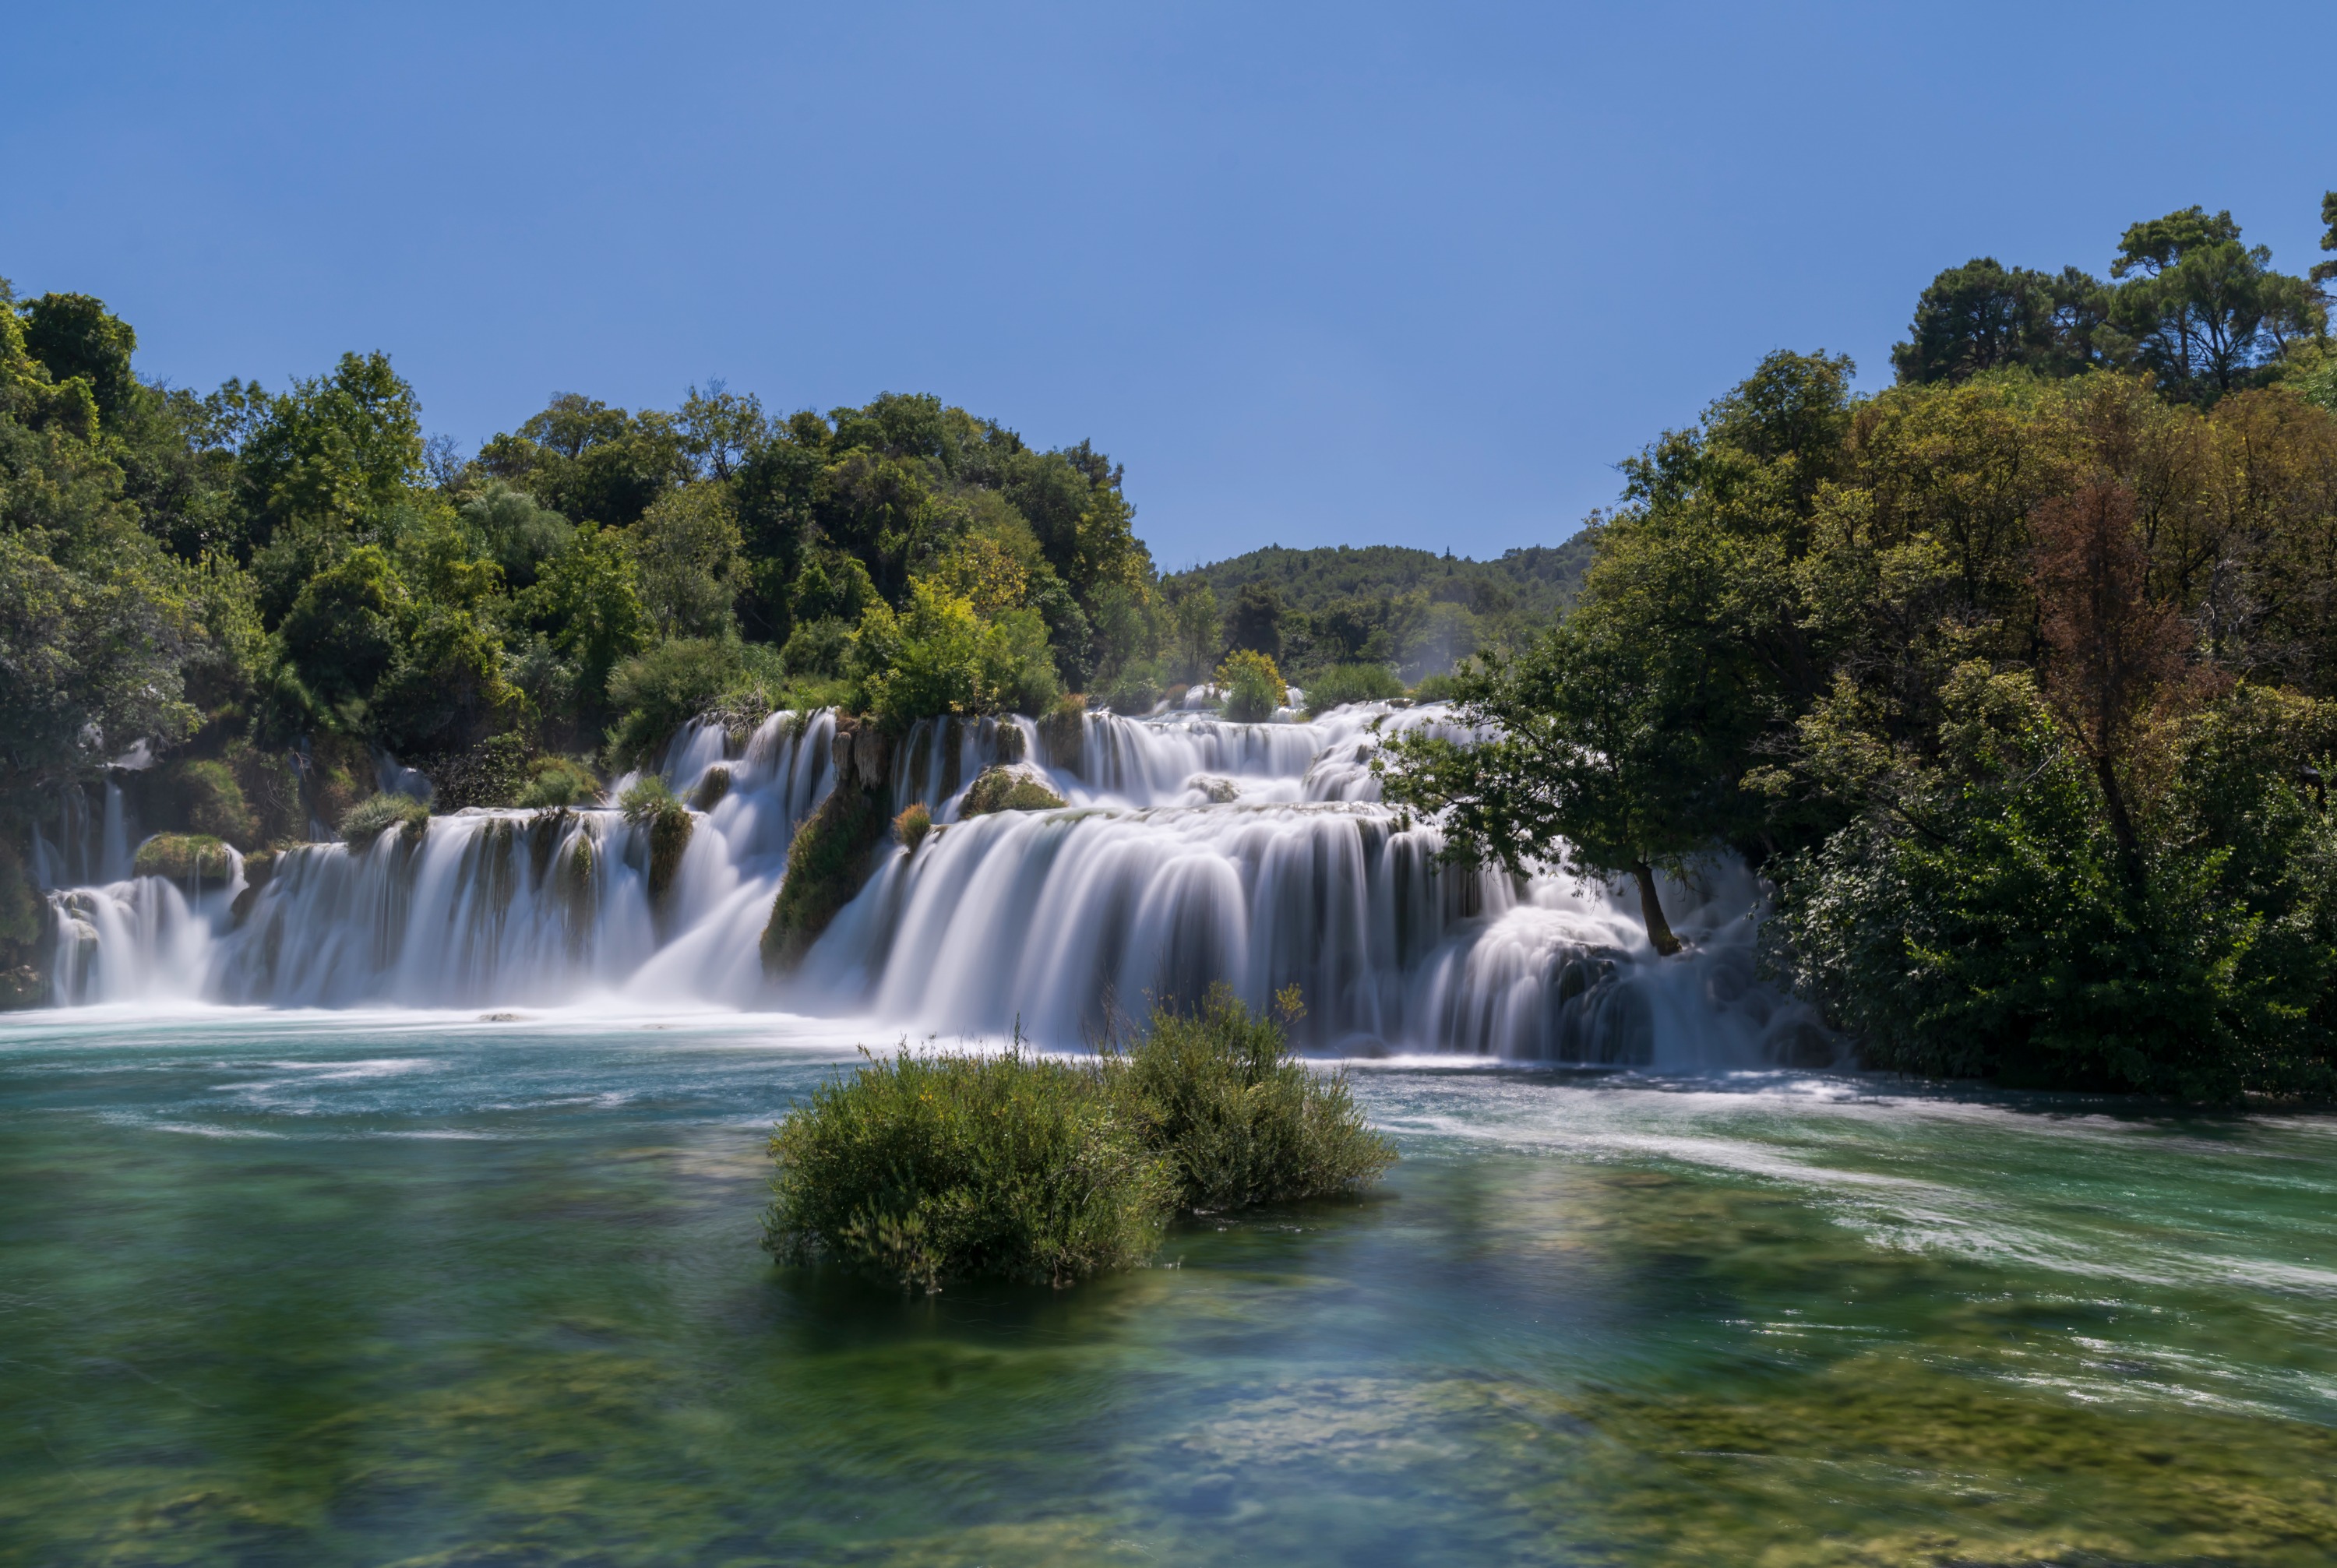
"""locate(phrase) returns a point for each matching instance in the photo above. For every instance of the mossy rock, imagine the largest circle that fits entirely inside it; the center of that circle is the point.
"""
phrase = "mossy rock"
(827, 862)
(188, 858)
(1015, 787)
(1064, 730)
(712, 789)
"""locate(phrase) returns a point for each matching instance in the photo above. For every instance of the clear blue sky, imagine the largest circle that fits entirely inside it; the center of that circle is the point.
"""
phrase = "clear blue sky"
(1317, 275)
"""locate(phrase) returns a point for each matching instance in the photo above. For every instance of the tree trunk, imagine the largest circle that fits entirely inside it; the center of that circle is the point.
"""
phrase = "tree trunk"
(1651, 910)
(2121, 825)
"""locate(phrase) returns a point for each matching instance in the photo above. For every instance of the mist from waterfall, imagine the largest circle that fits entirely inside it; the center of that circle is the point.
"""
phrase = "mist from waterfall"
(1192, 852)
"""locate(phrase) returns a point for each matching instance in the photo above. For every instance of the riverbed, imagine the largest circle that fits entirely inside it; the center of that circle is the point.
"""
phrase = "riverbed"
(427, 1289)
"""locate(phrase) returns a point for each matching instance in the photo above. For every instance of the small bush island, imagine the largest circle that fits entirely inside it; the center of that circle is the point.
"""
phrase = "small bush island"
(928, 1169)
(649, 803)
(1240, 1118)
(1010, 786)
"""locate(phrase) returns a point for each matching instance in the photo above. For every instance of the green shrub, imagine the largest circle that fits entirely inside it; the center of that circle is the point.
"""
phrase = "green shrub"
(1135, 689)
(1239, 1117)
(1008, 788)
(817, 647)
(559, 781)
(1252, 687)
(648, 803)
(657, 692)
(1433, 688)
(366, 820)
(911, 826)
(928, 1169)
(214, 802)
(189, 859)
(925, 1169)
(1344, 683)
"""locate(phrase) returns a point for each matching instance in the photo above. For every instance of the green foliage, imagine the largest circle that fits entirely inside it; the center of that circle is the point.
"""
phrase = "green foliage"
(941, 656)
(188, 859)
(1240, 1118)
(1981, 924)
(685, 552)
(1345, 684)
(372, 817)
(559, 782)
(1251, 686)
(927, 1168)
(1008, 786)
(214, 803)
(1413, 609)
(910, 828)
(73, 336)
(657, 692)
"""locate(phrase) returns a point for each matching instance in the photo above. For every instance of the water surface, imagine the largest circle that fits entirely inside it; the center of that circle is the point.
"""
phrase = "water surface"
(411, 1289)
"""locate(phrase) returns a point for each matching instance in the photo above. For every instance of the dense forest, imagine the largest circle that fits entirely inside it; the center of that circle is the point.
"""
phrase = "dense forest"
(2016, 678)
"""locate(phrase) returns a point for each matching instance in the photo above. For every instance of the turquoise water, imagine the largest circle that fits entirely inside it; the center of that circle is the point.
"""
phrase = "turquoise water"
(390, 1289)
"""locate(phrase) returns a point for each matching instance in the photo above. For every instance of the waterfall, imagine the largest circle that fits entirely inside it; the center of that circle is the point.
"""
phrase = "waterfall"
(1192, 852)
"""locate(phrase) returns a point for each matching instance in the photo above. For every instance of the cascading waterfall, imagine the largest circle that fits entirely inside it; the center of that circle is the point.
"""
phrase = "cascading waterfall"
(1192, 852)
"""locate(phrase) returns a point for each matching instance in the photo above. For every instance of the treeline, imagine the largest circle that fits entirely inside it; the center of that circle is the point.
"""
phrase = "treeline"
(2016, 677)
(1413, 611)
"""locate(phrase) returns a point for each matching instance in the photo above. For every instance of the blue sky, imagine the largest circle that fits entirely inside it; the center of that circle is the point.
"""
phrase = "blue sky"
(1315, 275)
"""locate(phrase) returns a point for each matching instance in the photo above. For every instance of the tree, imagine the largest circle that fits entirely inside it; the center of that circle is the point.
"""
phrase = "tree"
(685, 552)
(718, 428)
(1256, 621)
(2206, 310)
(72, 335)
(1581, 761)
(1983, 315)
(2324, 271)
(2114, 650)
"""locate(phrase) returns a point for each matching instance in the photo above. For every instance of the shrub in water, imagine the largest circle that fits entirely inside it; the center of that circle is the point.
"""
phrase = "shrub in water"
(1344, 683)
(911, 826)
(366, 820)
(1239, 1117)
(924, 1169)
(1253, 687)
(927, 1168)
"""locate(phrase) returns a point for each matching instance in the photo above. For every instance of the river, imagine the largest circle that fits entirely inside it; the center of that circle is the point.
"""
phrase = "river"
(396, 1288)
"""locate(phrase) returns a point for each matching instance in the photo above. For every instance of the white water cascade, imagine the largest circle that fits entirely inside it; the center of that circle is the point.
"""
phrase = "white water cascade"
(1192, 851)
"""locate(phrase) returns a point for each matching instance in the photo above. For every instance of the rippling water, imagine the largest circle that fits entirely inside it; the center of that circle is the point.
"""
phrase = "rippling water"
(397, 1289)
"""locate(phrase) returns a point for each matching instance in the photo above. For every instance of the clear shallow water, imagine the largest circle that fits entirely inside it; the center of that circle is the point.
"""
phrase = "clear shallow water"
(390, 1289)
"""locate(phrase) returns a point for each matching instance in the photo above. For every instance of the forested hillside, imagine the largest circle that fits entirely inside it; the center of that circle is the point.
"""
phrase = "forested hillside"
(1382, 604)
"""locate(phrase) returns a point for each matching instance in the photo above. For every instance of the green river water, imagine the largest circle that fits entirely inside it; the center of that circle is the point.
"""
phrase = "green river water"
(394, 1289)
